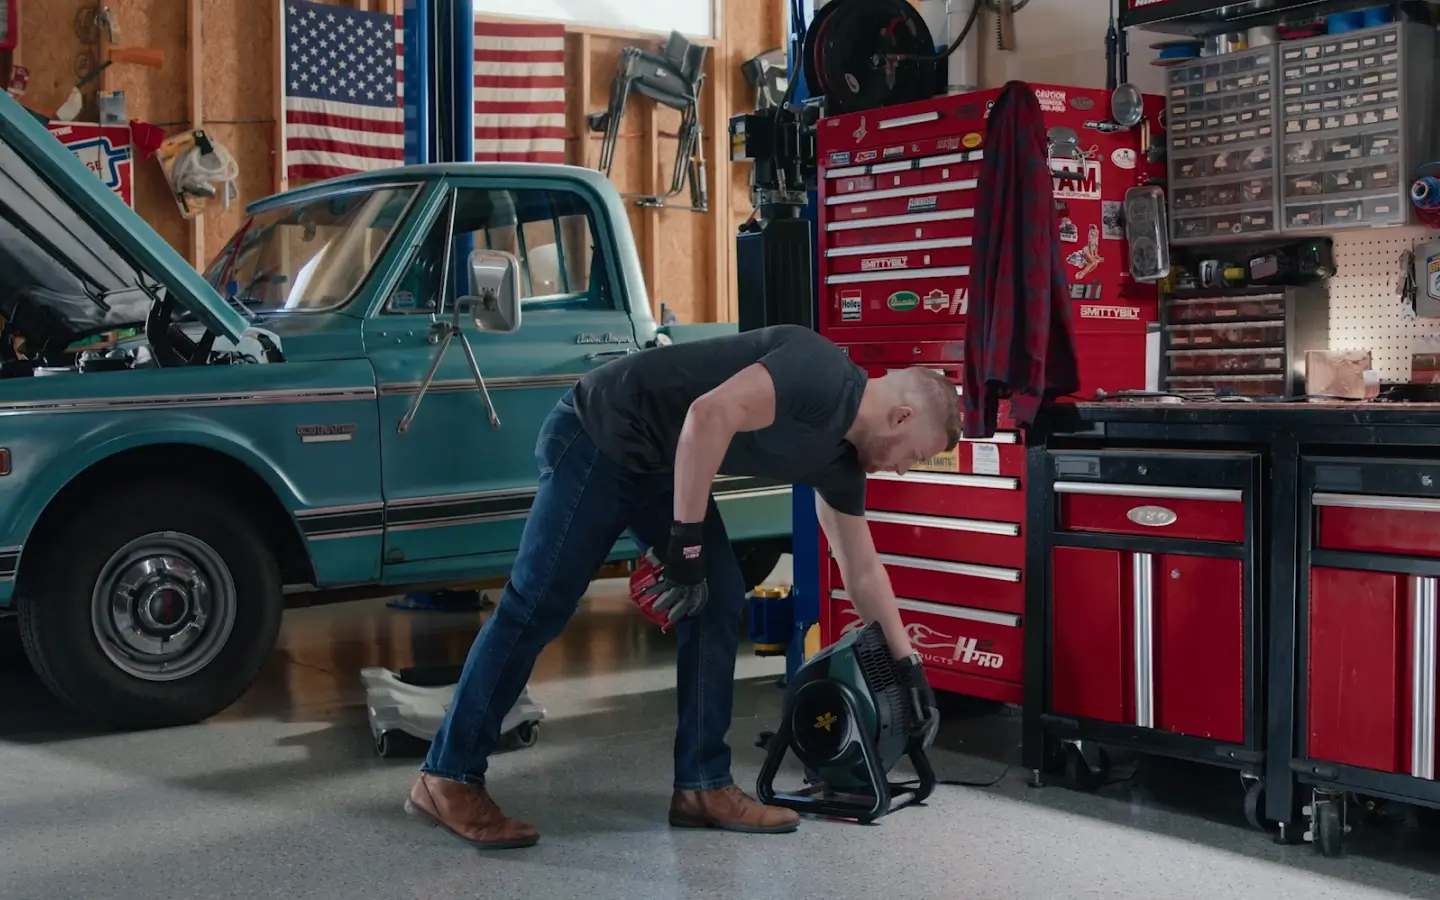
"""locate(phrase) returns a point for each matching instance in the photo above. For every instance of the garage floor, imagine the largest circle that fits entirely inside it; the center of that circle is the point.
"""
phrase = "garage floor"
(282, 797)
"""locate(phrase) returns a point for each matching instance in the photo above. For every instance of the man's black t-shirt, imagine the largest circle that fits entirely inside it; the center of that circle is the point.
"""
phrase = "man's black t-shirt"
(633, 409)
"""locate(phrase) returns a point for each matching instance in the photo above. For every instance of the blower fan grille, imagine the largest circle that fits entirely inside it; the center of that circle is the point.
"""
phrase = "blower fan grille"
(878, 666)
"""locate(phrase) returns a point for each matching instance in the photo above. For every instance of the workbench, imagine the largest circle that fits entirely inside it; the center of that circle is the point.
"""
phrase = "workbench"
(1250, 585)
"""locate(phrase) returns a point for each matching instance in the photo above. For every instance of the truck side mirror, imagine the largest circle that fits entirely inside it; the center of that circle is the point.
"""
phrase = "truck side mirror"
(494, 290)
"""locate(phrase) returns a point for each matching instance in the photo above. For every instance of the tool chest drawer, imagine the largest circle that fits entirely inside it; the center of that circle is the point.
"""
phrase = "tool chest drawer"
(918, 226)
(1202, 514)
(1152, 493)
(939, 253)
(1387, 506)
(993, 498)
(948, 583)
(958, 540)
(958, 639)
(957, 194)
(907, 173)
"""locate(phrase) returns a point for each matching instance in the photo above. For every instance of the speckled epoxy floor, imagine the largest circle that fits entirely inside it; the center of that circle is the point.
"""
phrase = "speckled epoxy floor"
(282, 797)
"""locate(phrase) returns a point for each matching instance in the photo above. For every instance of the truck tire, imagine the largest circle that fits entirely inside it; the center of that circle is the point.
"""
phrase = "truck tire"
(154, 609)
(757, 560)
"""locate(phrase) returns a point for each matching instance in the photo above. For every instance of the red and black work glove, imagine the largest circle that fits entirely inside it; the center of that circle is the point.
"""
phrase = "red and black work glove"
(681, 588)
(910, 672)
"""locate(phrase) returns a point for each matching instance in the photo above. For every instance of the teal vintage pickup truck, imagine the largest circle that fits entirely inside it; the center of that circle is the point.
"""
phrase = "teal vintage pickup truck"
(348, 397)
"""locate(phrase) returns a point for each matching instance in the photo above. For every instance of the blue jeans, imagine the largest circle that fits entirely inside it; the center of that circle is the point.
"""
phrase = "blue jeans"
(585, 503)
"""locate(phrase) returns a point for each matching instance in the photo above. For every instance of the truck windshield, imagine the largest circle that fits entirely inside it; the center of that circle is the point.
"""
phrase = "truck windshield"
(309, 256)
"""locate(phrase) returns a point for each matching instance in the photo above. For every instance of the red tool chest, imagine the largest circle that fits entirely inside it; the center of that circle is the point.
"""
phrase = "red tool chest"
(1367, 651)
(1155, 637)
(896, 236)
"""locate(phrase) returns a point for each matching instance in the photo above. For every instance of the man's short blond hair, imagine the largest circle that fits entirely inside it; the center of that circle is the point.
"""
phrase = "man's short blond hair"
(934, 400)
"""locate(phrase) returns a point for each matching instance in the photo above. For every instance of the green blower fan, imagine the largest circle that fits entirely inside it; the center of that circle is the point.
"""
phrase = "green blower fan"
(849, 722)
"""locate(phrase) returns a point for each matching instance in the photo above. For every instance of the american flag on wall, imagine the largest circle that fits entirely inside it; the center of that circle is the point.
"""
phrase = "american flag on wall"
(519, 92)
(344, 90)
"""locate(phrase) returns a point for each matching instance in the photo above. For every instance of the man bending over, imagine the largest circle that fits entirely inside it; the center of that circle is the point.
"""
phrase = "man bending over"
(636, 445)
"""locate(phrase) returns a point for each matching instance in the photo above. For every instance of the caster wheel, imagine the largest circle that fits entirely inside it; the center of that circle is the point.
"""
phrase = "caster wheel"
(525, 736)
(1329, 828)
(382, 745)
(1255, 805)
(1088, 774)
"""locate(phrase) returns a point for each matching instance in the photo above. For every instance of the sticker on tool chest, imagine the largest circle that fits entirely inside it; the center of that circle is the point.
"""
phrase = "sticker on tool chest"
(903, 301)
(947, 461)
(936, 301)
(851, 306)
(1093, 311)
(1084, 187)
(985, 459)
(1069, 231)
(1112, 220)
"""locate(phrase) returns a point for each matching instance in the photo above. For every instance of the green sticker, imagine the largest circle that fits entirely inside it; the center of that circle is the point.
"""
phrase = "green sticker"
(903, 301)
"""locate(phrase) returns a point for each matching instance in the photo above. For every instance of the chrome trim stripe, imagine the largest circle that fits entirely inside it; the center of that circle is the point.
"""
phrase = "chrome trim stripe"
(1377, 501)
(461, 520)
(948, 159)
(332, 510)
(460, 498)
(187, 401)
(342, 535)
(1143, 575)
(974, 526)
(466, 385)
(1226, 495)
(993, 482)
(999, 437)
(758, 492)
(905, 165)
(1008, 620)
(1422, 692)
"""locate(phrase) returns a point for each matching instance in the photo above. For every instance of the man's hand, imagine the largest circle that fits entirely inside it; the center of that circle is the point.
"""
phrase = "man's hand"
(682, 588)
(865, 577)
(910, 672)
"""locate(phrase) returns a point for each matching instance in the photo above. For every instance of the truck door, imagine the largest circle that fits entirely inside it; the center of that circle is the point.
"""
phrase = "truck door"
(458, 480)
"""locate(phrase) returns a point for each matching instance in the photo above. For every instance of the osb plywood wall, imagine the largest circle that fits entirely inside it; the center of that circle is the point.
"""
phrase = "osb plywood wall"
(688, 257)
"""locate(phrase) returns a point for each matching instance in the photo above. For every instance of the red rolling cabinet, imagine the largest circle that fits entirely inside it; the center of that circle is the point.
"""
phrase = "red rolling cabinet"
(897, 226)
(1366, 651)
(1152, 633)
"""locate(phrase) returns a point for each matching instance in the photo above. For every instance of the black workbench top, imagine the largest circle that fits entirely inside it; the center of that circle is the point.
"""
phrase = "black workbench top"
(1258, 422)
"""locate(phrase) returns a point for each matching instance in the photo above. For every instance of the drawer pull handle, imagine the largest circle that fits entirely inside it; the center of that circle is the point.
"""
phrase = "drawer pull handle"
(914, 190)
(1377, 501)
(1422, 673)
(1007, 620)
(1152, 516)
(994, 573)
(892, 274)
(902, 121)
(994, 482)
(1154, 492)
(973, 526)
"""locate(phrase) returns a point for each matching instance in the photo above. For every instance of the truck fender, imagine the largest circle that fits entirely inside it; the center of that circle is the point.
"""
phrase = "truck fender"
(105, 442)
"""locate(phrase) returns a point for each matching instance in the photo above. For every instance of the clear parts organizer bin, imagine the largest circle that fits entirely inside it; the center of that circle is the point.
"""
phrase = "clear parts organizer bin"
(1354, 125)
(1220, 120)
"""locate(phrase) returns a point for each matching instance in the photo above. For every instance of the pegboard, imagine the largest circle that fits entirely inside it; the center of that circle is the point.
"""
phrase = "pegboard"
(1365, 309)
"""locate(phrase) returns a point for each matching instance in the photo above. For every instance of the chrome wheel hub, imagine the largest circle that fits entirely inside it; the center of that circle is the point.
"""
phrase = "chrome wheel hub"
(163, 606)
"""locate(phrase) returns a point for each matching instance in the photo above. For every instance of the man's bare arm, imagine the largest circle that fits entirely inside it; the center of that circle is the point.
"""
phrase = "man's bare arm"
(866, 580)
(744, 402)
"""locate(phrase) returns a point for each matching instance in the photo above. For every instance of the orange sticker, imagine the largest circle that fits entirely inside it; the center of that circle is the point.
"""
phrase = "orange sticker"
(972, 140)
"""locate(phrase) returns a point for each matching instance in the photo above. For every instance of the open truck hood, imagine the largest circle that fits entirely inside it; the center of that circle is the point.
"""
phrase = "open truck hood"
(50, 200)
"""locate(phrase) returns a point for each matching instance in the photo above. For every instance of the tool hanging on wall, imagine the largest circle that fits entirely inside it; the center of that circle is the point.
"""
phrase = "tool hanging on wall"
(198, 170)
(1005, 11)
(149, 57)
(674, 78)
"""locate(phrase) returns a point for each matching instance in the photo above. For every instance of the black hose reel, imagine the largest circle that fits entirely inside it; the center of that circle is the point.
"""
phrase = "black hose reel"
(864, 54)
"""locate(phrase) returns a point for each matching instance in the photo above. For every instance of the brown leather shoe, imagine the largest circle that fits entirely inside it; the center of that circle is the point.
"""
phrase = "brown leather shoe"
(731, 809)
(466, 811)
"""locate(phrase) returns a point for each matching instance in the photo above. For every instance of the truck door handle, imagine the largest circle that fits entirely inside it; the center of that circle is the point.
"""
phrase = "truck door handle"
(608, 354)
